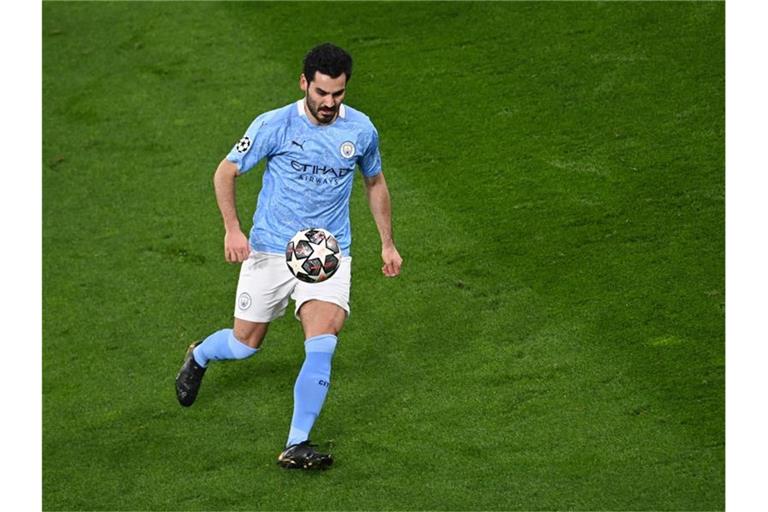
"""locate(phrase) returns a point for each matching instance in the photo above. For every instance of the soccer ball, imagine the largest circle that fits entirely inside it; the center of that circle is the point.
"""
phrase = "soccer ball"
(313, 255)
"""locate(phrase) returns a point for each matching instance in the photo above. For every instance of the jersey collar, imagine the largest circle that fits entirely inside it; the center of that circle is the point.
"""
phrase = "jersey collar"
(302, 112)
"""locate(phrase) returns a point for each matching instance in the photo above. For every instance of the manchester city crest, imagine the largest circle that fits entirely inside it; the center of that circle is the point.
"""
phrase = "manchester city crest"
(347, 149)
(244, 301)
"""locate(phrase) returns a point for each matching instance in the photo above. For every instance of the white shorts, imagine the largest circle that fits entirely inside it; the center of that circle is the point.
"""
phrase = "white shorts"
(266, 284)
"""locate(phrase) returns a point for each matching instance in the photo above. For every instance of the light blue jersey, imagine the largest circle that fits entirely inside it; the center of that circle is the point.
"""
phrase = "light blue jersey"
(309, 172)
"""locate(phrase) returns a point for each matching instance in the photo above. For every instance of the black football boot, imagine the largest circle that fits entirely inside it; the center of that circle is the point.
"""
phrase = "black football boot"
(189, 378)
(304, 456)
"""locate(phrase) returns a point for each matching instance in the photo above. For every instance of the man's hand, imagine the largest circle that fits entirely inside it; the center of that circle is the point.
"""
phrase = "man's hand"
(236, 246)
(392, 260)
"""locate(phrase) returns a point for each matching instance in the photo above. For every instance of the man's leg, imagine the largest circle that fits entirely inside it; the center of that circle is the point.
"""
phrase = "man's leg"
(239, 343)
(322, 321)
(262, 276)
(227, 344)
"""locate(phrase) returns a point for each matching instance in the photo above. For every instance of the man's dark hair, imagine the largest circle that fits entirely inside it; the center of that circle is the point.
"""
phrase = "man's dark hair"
(329, 60)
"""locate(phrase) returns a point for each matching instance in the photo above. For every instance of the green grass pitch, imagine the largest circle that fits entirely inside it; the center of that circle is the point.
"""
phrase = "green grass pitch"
(556, 339)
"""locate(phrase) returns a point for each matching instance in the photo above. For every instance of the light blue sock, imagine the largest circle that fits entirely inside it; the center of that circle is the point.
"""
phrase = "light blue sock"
(220, 346)
(311, 386)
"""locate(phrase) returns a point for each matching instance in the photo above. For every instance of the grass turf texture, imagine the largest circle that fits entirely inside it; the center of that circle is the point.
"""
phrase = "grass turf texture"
(556, 340)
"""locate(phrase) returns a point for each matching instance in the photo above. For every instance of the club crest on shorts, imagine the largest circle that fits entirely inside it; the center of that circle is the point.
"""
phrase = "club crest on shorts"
(347, 149)
(243, 145)
(244, 301)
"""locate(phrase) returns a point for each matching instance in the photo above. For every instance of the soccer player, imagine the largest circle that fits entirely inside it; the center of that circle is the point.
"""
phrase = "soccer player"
(312, 148)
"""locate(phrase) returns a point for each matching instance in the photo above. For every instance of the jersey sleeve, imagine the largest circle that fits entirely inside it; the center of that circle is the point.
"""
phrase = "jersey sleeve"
(370, 160)
(259, 141)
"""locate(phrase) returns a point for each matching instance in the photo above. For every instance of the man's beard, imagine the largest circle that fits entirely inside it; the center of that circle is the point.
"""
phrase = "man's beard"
(321, 117)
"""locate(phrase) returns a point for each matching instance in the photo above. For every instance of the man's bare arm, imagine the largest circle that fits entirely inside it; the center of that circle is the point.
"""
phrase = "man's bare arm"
(381, 209)
(236, 246)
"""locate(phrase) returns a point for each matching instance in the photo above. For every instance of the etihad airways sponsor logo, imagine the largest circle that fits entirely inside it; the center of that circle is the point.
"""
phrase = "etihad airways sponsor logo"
(328, 172)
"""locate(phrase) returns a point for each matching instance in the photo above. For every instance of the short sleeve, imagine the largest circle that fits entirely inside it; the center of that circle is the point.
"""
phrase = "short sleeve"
(370, 161)
(259, 142)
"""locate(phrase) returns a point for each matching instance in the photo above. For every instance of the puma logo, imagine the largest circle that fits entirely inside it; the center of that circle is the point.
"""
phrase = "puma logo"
(297, 144)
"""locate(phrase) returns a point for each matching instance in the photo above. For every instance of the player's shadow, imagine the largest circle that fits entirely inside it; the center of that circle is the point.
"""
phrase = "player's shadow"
(256, 376)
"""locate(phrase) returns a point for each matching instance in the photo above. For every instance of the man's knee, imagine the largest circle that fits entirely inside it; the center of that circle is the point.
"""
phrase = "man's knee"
(250, 333)
(319, 317)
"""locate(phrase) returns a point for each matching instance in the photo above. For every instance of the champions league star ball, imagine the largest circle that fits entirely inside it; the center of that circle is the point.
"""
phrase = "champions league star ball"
(313, 255)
